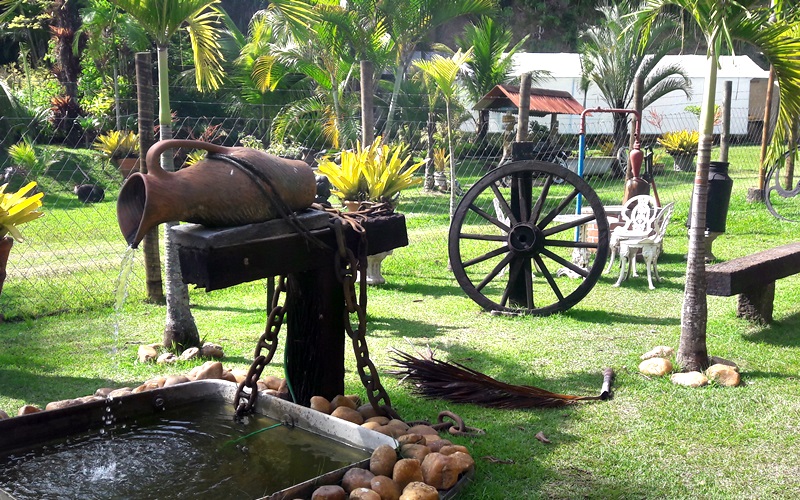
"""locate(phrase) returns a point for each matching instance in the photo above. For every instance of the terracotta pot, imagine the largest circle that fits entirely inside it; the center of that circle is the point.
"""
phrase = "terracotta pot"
(5, 248)
(214, 192)
(128, 165)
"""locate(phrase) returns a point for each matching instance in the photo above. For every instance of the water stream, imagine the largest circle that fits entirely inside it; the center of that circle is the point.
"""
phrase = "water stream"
(123, 280)
(186, 452)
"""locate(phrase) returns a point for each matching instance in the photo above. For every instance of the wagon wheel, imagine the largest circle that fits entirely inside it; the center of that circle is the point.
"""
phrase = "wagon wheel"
(505, 246)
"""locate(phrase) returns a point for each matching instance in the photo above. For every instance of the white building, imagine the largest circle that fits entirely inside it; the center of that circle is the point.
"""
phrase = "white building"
(749, 88)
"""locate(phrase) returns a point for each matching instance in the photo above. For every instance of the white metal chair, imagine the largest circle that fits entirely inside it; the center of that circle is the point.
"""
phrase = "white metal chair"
(637, 217)
(650, 245)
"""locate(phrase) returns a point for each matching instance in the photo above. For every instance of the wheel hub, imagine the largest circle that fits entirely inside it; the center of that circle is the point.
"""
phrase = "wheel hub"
(524, 238)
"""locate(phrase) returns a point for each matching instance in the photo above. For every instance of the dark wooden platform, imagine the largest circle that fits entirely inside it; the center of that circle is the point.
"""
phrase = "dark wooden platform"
(221, 257)
(753, 278)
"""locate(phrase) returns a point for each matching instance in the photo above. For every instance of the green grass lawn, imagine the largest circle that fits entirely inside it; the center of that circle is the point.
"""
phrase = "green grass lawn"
(652, 440)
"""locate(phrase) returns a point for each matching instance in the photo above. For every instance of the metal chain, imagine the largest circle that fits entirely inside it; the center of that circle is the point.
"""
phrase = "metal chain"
(247, 392)
(347, 267)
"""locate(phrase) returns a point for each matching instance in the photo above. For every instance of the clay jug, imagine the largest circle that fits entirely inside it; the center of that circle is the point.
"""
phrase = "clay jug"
(231, 187)
(636, 185)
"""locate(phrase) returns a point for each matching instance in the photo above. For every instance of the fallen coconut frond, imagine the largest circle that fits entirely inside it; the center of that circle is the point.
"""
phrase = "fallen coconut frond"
(434, 378)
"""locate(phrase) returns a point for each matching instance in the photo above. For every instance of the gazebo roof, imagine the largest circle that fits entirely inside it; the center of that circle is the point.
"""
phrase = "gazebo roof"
(543, 101)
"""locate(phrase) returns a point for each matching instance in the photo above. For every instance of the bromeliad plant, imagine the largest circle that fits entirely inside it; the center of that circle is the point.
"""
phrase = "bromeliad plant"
(118, 144)
(17, 209)
(374, 173)
(682, 142)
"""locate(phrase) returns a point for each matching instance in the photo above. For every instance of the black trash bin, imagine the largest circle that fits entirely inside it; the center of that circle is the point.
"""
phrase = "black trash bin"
(719, 197)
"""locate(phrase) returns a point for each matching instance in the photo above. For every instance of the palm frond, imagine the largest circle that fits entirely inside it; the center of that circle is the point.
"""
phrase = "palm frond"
(455, 382)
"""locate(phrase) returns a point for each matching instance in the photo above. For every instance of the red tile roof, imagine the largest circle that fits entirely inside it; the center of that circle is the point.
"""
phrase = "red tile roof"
(543, 101)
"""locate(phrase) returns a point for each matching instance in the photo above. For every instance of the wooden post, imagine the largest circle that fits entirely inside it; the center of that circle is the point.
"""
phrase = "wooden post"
(524, 107)
(638, 102)
(724, 138)
(367, 113)
(315, 337)
(146, 104)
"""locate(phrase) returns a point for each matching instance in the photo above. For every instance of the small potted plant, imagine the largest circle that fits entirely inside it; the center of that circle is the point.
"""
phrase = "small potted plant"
(440, 162)
(122, 148)
(15, 209)
(682, 146)
(372, 174)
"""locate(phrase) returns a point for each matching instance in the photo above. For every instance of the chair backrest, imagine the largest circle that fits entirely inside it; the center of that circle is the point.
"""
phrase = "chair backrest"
(639, 214)
(662, 220)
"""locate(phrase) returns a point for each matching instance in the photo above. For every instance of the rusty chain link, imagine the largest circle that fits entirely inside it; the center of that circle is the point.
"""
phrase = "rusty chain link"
(245, 400)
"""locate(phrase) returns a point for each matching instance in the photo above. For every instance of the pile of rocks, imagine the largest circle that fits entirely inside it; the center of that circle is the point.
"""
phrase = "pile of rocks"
(657, 363)
(147, 353)
(425, 463)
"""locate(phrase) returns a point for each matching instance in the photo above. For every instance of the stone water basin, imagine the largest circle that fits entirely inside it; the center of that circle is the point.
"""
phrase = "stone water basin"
(179, 442)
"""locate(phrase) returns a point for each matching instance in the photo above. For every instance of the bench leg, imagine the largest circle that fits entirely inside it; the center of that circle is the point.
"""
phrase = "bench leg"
(756, 304)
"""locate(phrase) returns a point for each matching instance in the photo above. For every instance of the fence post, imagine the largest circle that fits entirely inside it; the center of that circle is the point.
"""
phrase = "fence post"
(524, 106)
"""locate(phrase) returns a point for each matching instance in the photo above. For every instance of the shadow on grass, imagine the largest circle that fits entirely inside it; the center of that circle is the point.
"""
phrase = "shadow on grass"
(404, 327)
(46, 388)
(783, 332)
(611, 317)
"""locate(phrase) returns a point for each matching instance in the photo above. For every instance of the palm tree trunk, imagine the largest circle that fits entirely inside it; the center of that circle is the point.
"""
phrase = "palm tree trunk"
(452, 163)
(144, 96)
(398, 81)
(180, 330)
(692, 351)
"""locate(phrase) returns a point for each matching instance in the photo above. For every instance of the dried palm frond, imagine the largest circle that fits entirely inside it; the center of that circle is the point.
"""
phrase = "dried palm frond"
(434, 378)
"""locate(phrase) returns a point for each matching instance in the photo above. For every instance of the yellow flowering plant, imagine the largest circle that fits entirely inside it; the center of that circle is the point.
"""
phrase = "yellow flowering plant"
(374, 173)
(17, 208)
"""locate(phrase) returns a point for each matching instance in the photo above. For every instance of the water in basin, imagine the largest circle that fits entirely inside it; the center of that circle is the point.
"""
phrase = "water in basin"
(184, 452)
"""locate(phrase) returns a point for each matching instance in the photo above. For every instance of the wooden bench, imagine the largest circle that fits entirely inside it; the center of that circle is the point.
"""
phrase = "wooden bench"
(753, 278)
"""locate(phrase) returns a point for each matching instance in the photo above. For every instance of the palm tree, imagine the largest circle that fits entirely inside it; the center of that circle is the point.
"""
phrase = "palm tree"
(722, 22)
(490, 65)
(162, 19)
(613, 55)
(441, 73)
(108, 35)
(408, 23)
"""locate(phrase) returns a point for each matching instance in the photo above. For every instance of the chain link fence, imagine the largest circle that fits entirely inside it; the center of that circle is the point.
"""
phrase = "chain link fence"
(70, 259)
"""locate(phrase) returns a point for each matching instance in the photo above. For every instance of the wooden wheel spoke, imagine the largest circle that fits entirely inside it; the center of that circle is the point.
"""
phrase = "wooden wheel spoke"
(564, 262)
(491, 218)
(570, 244)
(556, 211)
(493, 274)
(568, 225)
(482, 237)
(486, 256)
(537, 208)
(503, 203)
(549, 277)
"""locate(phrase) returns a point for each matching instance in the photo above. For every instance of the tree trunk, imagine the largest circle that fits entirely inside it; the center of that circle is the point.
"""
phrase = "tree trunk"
(367, 111)
(180, 330)
(430, 167)
(145, 98)
(66, 23)
(398, 81)
(452, 164)
(692, 351)
(483, 127)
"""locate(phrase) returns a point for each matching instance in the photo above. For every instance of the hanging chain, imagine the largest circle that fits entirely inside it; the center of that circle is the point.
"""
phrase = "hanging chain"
(347, 267)
(247, 393)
